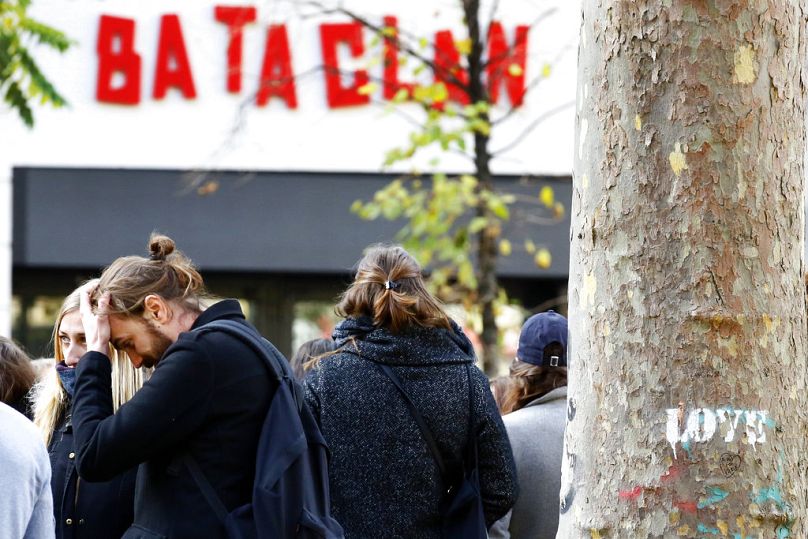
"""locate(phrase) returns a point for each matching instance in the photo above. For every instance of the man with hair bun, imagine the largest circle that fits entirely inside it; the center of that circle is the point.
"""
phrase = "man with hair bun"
(206, 399)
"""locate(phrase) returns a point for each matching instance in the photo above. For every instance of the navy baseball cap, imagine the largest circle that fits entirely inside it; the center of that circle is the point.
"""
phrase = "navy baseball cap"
(539, 331)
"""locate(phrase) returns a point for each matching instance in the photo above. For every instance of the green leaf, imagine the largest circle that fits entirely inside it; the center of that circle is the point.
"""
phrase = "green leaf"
(498, 207)
(477, 224)
(367, 89)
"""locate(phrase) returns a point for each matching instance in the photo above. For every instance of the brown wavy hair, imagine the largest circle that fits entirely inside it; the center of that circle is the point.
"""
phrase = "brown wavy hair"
(389, 288)
(166, 272)
(16, 373)
(527, 383)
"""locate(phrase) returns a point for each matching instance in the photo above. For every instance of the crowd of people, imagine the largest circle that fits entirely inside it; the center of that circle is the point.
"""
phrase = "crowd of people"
(150, 421)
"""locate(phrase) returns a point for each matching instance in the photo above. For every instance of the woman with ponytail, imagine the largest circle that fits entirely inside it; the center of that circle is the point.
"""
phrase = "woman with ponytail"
(81, 509)
(384, 479)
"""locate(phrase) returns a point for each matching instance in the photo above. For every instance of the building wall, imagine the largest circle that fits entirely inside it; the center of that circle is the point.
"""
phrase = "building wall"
(218, 130)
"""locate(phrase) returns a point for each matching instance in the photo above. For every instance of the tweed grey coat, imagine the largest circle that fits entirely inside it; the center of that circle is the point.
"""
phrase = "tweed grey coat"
(384, 481)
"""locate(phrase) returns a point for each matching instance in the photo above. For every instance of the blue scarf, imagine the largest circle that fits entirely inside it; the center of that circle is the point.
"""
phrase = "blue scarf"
(68, 377)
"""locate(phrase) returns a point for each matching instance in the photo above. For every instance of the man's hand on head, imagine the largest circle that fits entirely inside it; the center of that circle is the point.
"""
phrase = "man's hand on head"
(96, 324)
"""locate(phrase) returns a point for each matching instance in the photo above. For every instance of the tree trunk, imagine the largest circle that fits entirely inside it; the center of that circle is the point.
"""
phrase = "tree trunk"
(687, 408)
(487, 286)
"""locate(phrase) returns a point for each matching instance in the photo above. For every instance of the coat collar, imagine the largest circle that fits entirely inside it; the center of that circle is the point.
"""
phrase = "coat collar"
(225, 309)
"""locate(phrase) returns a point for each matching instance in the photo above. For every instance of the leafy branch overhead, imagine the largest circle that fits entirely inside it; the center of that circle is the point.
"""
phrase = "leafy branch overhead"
(443, 213)
(21, 80)
(454, 224)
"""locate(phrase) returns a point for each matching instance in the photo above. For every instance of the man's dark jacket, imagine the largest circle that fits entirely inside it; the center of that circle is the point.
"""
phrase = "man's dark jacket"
(384, 480)
(208, 397)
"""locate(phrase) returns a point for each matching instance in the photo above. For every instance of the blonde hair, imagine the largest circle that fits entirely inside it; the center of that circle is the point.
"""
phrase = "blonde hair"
(167, 273)
(49, 396)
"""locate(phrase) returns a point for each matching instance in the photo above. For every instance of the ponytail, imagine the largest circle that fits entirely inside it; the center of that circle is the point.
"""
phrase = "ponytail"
(390, 289)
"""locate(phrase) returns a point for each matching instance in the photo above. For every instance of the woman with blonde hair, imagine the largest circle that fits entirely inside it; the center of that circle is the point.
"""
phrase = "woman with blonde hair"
(400, 403)
(103, 509)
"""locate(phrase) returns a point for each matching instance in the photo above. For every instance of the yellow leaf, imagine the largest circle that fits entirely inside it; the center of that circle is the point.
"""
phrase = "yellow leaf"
(505, 248)
(547, 196)
(530, 247)
(439, 93)
(401, 95)
(367, 89)
(515, 70)
(543, 258)
(463, 46)
(558, 210)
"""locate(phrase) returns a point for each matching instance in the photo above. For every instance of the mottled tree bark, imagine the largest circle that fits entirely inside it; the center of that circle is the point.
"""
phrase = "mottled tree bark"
(687, 411)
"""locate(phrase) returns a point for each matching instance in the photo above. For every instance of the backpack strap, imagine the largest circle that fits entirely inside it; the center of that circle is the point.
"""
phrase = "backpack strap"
(278, 366)
(279, 370)
(419, 419)
(208, 492)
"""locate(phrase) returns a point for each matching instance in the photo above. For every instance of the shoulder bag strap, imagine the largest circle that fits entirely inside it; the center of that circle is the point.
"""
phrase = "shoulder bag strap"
(425, 432)
(208, 492)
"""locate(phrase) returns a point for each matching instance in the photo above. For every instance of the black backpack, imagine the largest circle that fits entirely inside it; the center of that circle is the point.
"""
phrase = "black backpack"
(290, 493)
(462, 506)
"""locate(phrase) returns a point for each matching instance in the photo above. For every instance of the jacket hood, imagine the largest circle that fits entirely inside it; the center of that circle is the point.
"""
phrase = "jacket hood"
(414, 346)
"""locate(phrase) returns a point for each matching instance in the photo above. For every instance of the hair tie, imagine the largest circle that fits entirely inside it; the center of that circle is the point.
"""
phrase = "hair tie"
(156, 257)
(391, 285)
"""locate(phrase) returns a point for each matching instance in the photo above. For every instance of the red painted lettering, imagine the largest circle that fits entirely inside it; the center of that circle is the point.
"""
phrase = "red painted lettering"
(507, 63)
(331, 36)
(236, 18)
(447, 67)
(277, 78)
(116, 54)
(390, 77)
(172, 68)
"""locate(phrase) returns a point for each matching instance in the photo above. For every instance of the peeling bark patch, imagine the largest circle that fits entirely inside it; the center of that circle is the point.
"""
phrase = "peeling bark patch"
(582, 137)
(745, 65)
(590, 287)
(638, 123)
(677, 160)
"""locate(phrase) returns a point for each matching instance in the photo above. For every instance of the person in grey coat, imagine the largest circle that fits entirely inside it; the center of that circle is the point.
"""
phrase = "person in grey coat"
(26, 502)
(534, 402)
(384, 480)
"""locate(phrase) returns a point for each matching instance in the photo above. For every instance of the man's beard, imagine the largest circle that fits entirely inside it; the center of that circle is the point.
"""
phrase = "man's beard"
(158, 345)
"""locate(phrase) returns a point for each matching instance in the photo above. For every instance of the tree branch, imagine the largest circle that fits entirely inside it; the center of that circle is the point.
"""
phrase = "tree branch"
(535, 123)
(446, 74)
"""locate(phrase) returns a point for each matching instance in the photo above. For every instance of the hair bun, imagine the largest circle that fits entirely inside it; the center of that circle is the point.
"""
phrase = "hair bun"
(160, 246)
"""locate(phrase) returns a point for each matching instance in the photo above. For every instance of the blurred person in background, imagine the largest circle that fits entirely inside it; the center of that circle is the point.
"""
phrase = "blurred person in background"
(308, 353)
(534, 404)
(81, 508)
(385, 481)
(17, 376)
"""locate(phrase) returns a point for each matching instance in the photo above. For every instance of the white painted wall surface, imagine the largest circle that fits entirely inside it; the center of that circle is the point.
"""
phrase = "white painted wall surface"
(202, 133)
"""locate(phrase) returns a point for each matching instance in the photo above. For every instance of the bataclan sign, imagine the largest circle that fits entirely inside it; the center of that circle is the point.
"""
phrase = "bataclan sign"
(120, 65)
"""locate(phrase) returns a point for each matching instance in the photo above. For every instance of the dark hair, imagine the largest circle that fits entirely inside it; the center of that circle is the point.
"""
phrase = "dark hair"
(390, 289)
(499, 388)
(166, 272)
(529, 382)
(308, 351)
(16, 373)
